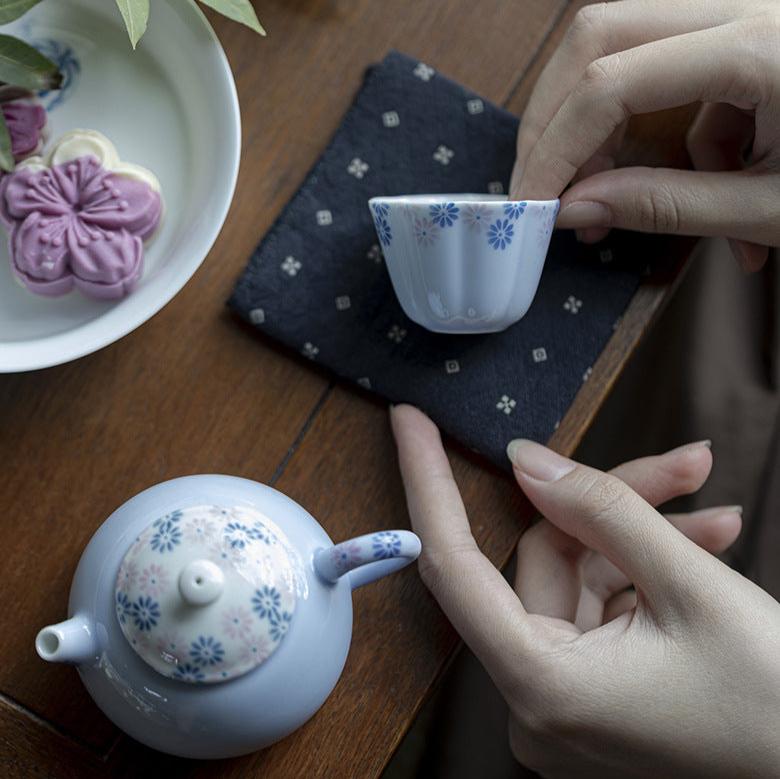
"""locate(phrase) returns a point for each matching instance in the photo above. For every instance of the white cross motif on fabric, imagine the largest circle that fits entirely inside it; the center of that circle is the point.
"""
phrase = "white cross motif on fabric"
(506, 404)
(374, 254)
(291, 266)
(357, 168)
(310, 350)
(396, 333)
(443, 155)
(423, 71)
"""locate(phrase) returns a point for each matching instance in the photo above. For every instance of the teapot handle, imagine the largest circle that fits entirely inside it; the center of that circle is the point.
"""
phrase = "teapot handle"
(367, 558)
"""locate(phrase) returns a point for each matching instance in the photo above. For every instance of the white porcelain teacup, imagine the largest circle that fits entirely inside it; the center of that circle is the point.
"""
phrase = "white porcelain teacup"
(464, 263)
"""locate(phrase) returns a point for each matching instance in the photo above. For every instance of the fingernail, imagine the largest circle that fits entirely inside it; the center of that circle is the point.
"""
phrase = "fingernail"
(715, 510)
(538, 461)
(705, 443)
(584, 214)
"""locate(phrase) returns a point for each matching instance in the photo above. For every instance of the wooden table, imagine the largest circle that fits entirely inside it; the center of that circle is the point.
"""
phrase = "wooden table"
(193, 391)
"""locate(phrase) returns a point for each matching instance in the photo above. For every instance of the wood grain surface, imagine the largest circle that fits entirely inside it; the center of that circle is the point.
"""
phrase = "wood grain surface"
(195, 391)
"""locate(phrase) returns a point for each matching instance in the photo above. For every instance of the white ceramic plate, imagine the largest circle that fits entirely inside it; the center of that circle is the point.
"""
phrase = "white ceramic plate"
(170, 106)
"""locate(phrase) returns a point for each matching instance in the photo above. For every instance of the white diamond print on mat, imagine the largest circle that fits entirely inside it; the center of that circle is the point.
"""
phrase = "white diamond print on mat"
(572, 305)
(443, 155)
(451, 366)
(357, 168)
(496, 188)
(324, 218)
(291, 266)
(396, 333)
(257, 316)
(310, 350)
(391, 119)
(475, 106)
(343, 302)
(374, 254)
(539, 354)
(506, 404)
(423, 71)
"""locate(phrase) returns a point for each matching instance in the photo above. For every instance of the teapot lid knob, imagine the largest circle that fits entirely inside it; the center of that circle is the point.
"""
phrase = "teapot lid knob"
(201, 582)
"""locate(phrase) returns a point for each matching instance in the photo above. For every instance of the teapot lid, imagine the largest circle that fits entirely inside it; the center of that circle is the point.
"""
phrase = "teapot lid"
(207, 593)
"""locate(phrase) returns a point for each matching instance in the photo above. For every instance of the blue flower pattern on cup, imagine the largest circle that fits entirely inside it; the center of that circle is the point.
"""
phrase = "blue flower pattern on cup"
(206, 651)
(168, 536)
(386, 544)
(124, 608)
(173, 517)
(266, 602)
(237, 535)
(515, 209)
(444, 214)
(280, 624)
(187, 672)
(383, 230)
(145, 612)
(259, 532)
(500, 234)
(381, 210)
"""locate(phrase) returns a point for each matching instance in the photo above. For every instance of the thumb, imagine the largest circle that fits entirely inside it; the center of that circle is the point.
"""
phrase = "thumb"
(663, 200)
(606, 515)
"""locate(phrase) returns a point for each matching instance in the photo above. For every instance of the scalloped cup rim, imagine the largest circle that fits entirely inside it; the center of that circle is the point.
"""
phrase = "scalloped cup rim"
(456, 198)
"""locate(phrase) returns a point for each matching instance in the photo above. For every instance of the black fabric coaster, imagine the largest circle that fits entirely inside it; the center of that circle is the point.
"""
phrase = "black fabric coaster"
(317, 282)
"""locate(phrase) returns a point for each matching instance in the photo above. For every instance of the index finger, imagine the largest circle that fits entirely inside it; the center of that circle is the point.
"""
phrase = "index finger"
(598, 30)
(476, 598)
(651, 77)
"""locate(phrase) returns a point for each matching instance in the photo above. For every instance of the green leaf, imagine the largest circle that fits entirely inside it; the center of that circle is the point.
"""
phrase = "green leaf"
(6, 155)
(136, 14)
(13, 9)
(238, 11)
(24, 66)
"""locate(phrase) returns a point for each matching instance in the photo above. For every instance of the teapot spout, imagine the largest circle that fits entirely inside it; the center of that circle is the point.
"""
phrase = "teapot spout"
(72, 641)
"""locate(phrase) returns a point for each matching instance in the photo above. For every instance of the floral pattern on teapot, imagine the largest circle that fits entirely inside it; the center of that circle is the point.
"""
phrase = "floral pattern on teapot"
(259, 580)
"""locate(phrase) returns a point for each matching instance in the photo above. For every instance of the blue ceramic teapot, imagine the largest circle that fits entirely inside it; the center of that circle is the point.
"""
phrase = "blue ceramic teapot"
(210, 615)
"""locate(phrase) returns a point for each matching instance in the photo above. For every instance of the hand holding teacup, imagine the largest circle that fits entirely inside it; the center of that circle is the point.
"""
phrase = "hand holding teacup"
(633, 57)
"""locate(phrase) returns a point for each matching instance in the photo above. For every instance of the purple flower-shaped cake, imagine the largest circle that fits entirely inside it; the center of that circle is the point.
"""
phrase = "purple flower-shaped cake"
(79, 218)
(25, 120)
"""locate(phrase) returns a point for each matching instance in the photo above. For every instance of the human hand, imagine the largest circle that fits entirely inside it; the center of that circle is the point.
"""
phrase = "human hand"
(636, 56)
(679, 677)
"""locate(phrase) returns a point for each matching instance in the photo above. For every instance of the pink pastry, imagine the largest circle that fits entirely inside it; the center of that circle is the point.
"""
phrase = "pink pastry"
(79, 218)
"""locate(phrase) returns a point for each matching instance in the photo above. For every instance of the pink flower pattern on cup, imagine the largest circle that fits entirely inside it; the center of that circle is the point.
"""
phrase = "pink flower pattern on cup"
(153, 581)
(237, 623)
(79, 221)
(345, 556)
(128, 573)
